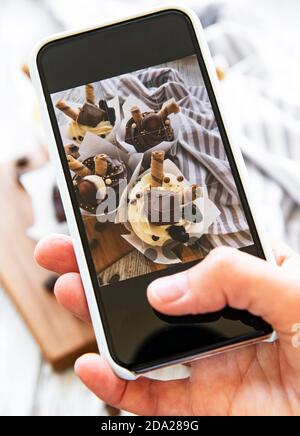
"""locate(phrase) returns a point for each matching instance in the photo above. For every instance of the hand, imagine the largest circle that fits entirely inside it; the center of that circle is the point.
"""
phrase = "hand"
(258, 380)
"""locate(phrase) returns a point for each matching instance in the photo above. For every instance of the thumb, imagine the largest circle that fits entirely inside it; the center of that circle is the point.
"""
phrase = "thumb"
(228, 277)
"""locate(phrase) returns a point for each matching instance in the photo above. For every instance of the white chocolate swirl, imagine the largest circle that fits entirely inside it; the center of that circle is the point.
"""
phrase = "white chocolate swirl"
(76, 130)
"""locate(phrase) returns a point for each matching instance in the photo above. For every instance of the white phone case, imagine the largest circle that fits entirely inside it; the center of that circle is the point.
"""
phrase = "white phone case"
(84, 271)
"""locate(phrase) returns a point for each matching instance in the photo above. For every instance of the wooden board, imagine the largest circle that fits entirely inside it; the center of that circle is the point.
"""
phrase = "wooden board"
(61, 337)
(113, 255)
(110, 246)
(189, 254)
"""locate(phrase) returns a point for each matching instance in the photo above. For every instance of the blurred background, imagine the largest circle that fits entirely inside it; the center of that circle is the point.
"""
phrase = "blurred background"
(255, 49)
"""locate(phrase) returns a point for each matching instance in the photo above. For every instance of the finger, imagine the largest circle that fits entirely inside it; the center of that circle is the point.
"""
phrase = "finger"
(70, 294)
(283, 253)
(141, 397)
(287, 259)
(56, 253)
(229, 277)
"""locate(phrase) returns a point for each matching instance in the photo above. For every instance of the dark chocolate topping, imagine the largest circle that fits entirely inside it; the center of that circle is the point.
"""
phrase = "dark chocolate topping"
(163, 207)
(110, 112)
(116, 171)
(88, 192)
(90, 115)
(178, 234)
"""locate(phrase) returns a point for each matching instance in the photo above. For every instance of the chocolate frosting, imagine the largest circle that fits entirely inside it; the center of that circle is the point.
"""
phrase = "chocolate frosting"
(152, 131)
(86, 191)
(152, 123)
(178, 234)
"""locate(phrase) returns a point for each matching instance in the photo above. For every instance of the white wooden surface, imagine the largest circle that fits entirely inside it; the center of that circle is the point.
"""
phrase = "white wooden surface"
(27, 384)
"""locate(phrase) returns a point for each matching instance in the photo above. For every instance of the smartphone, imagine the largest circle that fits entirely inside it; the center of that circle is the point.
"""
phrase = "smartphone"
(150, 178)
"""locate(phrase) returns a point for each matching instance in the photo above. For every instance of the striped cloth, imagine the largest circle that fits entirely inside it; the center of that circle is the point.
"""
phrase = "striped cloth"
(265, 118)
(265, 114)
(199, 152)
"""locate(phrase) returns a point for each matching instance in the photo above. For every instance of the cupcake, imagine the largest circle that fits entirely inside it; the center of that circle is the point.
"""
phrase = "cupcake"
(149, 129)
(162, 205)
(94, 177)
(98, 119)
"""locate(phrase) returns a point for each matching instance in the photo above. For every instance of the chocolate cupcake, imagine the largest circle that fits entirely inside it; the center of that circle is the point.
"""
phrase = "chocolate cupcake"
(94, 177)
(149, 129)
(98, 119)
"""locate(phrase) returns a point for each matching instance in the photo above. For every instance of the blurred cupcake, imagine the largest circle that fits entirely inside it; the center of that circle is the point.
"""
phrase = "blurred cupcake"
(93, 179)
(146, 130)
(97, 119)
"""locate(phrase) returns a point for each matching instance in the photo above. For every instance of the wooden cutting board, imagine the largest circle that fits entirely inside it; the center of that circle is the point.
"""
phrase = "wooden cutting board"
(106, 242)
(61, 337)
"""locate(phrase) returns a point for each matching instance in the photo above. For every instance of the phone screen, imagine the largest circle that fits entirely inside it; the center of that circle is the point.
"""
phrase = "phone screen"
(152, 179)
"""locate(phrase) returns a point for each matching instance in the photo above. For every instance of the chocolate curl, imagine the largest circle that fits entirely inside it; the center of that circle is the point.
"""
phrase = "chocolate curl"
(90, 94)
(78, 167)
(136, 115)
(67, 110)
(190, 194)
(157, 168)
(169, 108)
(101, 164)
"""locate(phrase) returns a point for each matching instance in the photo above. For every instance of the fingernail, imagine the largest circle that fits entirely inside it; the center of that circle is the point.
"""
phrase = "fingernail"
(78, 365)
(169, 289)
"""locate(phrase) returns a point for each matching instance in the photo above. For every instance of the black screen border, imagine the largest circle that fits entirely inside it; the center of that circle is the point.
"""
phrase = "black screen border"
(44, 74)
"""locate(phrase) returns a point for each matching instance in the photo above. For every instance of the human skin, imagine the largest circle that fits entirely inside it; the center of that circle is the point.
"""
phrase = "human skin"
(258, 380)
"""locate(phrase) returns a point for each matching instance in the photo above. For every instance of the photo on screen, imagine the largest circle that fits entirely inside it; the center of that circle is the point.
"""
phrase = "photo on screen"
(149, 170)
